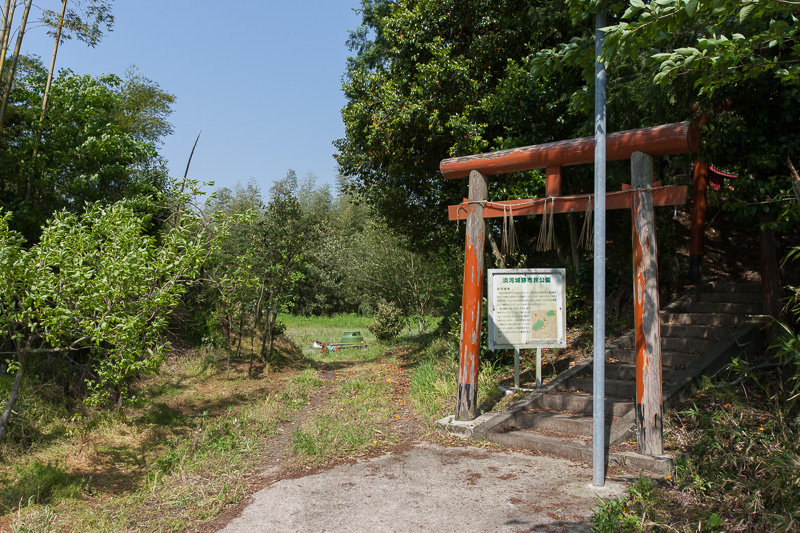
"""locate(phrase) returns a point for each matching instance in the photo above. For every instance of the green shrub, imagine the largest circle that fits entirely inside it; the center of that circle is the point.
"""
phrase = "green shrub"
(388, 321)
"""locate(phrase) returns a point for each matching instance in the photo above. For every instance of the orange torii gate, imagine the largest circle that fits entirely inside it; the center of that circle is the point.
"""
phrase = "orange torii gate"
(640, 146)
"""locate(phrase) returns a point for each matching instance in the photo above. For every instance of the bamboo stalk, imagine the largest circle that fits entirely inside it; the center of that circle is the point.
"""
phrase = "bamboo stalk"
(14, 61)
(5, 30)
(45, 98)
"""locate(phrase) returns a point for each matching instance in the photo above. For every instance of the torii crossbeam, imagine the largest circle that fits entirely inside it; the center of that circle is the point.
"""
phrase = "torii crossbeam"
(646, 142)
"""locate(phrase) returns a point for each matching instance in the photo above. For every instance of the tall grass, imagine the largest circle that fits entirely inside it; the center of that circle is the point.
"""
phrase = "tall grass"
(433, 386)
(305, 330)
(434, 380)
(738, 468)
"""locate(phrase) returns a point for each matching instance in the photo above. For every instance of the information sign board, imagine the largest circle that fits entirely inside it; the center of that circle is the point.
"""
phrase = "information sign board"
(527, 308)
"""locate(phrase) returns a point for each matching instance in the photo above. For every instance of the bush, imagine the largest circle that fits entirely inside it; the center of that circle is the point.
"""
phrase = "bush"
(388, 321)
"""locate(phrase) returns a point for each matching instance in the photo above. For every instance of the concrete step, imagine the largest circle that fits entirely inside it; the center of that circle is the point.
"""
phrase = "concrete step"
(729, 308)
(730, 297)
(618, 388)
(576, 425)
(581, 403)
(575, 448)
(628, 371)
(735, 287)
(686, 344)
(559, 421)
(672, 359)
(702, 319)
(695, 331)
(673, 344)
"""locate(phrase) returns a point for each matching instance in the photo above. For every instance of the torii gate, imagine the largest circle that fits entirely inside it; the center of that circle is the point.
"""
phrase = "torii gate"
(638, 145)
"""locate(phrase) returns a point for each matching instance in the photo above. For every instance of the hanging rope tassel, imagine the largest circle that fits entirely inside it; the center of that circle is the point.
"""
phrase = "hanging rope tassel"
(504, 244)
(551, 227)
(509, 245)
(587, 232)
(541, 241)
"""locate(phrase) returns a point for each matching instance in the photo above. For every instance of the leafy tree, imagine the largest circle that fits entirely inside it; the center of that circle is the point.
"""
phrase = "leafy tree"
(387, 267)
(86, 21)
(97, 289)
(262, 258)
(281, 240)
(336, 292)
(230, 274)
(96, 144)
(321, 291)
(11, 70)
(144, 108)
(735, 63)
(439, 78)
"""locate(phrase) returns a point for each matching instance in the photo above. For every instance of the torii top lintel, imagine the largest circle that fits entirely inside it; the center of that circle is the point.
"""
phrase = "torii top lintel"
(668, 139)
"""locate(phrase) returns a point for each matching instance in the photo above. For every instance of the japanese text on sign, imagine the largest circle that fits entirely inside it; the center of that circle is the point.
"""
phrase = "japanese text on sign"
(527, 308)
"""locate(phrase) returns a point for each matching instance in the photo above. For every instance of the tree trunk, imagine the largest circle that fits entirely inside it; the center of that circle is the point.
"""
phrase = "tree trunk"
(795, 182)
(268, 327)
(256, 318)
(241, 334)
(271, 336)
(5, 30)
(50, 73)
(498, 257)
(40, 127)
(12, 70)
(14, 396)
(770, 277)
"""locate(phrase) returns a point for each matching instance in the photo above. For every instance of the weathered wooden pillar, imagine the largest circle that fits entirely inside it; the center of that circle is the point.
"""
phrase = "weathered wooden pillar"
(468, 362)
(697, 236)
(552, 184)
(649, 430)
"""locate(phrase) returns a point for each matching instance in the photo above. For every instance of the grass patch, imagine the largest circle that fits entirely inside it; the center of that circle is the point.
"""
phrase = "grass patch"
(305, 330)
(179, 459)
(433, 386)
(354, 418)
(37, 482)
(434, 382)
(738, 468)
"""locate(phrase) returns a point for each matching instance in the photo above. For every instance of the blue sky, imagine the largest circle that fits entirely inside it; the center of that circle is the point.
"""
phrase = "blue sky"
(260, 80)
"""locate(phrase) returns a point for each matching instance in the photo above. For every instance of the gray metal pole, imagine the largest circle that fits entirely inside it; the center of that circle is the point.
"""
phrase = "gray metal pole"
(599, 373)
(538, 367)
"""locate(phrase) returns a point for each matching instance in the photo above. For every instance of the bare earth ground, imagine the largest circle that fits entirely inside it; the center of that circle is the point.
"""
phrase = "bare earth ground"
(425, 482)
(429, 487)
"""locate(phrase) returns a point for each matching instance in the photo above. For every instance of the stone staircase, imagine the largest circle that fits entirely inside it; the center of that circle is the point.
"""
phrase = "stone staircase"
(700, 333)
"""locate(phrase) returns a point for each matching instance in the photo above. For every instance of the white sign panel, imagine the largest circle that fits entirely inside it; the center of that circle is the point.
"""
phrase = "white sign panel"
(527, 308)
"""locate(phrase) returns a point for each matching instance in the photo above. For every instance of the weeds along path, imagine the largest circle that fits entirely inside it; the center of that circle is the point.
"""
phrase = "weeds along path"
(355, 405)
(209, 436)
(358, 407)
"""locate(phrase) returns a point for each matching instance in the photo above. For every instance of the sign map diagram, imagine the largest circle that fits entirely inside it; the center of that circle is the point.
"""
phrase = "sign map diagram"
(527, 308)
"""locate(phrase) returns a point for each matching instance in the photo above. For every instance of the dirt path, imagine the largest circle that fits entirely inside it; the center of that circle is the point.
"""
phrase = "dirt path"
(281, 464)
(423, 482)
(429, 487)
